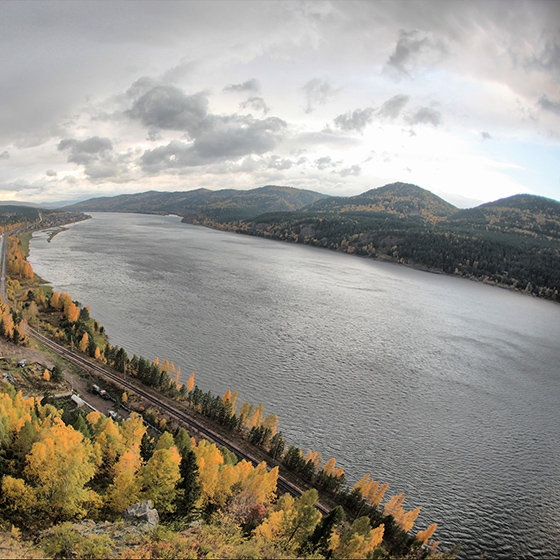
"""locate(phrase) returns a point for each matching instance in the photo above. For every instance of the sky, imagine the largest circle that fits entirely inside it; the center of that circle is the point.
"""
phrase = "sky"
(104, 98)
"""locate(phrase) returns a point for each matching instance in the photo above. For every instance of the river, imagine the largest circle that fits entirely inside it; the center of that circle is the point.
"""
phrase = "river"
(445, 388)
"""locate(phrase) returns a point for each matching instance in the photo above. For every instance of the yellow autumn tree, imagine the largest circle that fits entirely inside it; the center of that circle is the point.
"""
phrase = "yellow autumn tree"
(405, 520)
(125, 488)
(359, 540)
(64, 301)
(208, 459)
(190, 383)
(425, 535)
(58, 467)
(159, 477)
(46, 375)
(372, 490)
(245, 414)
(72, 312)
(55, 300)
(291, 522)
(84, 343)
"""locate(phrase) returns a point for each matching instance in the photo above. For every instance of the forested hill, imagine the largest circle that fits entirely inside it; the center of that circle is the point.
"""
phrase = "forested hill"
(398, 199)
(227, 204)
(522, 213)
(512, 242)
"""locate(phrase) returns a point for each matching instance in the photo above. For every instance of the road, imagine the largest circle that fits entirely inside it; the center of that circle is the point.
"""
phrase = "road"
(183, 418)
(3, 250)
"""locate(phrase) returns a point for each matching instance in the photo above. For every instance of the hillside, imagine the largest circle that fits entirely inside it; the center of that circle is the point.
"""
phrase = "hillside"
(397, 199)
(513, 242)
(522, 213)
(227, 204)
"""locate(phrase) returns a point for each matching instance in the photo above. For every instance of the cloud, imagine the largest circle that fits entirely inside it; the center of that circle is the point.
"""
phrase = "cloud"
(425, 115)
(414, 48)
(236, 136)
(51, 173)
(169, 108)
(5, 155)
(256, 103)
(325, 163)
(548, 105)
(355, 120)
(276, 162)
(86, 151)
(392, 107)
(486, 136)
(249, 85)
(153, 135)
(317, 92)
(352, 170)
(221, 138)
(97, 156)
(178, 72)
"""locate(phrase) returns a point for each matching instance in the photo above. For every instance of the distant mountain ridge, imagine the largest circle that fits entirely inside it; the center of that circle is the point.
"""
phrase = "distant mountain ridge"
(229, 204)
(512, 242)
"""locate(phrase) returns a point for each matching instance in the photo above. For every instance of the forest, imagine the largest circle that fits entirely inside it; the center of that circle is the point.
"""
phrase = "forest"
(513, 242)
(67, 474)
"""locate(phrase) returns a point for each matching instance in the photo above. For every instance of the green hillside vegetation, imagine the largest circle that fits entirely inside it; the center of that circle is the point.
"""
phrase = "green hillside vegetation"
(513, 242)
(226, 204)
(397, 200)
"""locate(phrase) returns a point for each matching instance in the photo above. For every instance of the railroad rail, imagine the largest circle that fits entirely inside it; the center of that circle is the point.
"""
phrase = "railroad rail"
(180, 416)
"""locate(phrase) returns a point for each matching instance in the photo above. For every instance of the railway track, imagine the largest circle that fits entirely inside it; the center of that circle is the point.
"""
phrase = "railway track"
(181, 417)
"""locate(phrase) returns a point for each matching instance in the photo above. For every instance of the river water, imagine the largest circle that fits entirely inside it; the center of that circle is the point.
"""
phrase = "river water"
(445, 388)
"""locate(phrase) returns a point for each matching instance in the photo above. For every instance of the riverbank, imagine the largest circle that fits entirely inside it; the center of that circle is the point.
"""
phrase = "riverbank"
(386, 368)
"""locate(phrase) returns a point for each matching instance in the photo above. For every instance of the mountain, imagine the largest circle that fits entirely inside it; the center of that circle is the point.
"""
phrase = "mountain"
(522, 213)
(512, 242)
(397, 199)
(227, 204)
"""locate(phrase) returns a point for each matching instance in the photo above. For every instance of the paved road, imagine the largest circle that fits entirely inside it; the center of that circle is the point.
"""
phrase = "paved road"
(3, 251)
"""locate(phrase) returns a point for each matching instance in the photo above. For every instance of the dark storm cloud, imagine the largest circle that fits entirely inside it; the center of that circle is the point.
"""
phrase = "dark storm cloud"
(169, 108)
(355, 120)
(86, 151)
(425, 115)
(220, 138)
(392, 107)
(316, 93)
(548, 105)
(256, 103)
(249, 85)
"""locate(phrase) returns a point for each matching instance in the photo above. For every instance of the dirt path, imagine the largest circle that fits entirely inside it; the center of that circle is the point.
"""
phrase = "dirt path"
(74, 383)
